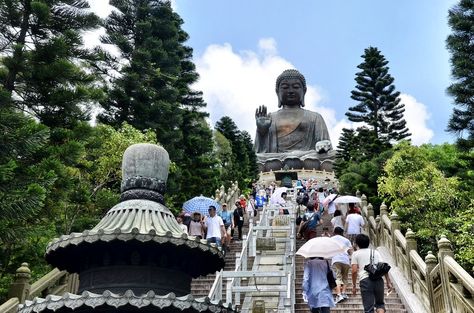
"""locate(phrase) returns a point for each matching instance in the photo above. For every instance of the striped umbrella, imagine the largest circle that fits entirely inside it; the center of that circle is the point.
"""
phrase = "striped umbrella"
(200, 204)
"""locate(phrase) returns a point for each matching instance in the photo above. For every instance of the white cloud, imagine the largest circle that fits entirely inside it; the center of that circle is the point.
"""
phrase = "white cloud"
(416, 116)
(236, 83)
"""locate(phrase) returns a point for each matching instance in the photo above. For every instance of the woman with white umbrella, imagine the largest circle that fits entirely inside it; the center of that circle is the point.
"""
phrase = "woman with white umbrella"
(316, 290)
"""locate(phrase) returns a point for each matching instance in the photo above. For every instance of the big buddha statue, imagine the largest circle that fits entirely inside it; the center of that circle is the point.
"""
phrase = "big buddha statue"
(292, 137)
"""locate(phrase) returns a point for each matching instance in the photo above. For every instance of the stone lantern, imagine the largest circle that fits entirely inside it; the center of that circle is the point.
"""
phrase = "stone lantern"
(136, 259)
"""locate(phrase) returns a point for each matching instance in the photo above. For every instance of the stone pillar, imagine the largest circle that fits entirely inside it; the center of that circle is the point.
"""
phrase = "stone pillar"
(370, 211)
(411, 245)
(378, 231)
(363, 200)
(20, 288)
(444, 249)
(431, 262)
(358, 194)
(383, 209)
(395, 225)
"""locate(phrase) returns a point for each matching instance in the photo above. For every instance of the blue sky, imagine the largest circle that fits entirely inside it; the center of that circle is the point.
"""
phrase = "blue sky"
(241, 46)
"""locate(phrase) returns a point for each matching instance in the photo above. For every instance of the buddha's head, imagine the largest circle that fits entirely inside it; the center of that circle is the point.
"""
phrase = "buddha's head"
(290, 88)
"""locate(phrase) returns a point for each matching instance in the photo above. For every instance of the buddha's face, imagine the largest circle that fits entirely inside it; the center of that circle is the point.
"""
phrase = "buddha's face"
(291, 92)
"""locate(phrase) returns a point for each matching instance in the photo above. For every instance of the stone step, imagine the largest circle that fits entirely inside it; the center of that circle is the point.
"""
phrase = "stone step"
(349, 310)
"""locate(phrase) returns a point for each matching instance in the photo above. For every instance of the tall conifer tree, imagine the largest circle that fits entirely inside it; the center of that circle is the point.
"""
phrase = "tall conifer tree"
(378, 103)
(461, 45)
(244, 166)
(152, 90)
(43, 54)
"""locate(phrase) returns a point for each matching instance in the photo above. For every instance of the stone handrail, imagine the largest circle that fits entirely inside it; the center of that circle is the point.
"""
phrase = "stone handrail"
(233, 278)
(11, 306)
(441, 285)
(55, 282)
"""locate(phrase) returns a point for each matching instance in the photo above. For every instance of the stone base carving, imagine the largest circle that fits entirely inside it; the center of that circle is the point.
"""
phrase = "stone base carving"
(311, 160)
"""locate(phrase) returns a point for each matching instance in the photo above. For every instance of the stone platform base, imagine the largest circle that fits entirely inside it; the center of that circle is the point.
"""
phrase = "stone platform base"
(324, 178)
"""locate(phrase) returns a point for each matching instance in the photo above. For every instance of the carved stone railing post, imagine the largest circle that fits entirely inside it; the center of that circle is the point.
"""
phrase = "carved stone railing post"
(411, 245)
(358, 194)
(20, 288)
(395, 225)
(363, 200)
(378, 231)
(431, 262)
(444, 249)
(370, 211)
(383, 209)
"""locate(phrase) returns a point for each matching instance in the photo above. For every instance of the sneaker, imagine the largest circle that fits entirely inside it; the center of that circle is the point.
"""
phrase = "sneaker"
(339, 298)
(344, 295)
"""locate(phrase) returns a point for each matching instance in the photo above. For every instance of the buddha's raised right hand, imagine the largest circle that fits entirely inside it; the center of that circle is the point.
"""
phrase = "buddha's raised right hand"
(263, 119)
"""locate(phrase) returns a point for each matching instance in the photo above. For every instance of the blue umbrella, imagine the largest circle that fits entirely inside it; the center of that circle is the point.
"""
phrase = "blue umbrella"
(200, 204)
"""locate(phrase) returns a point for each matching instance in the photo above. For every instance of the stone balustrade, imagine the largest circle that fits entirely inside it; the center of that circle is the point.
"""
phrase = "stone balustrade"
(56, 282)
(440, 283)
(229, 197)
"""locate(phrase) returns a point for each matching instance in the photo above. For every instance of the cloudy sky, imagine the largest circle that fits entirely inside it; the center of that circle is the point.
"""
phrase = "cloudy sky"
(240, 47)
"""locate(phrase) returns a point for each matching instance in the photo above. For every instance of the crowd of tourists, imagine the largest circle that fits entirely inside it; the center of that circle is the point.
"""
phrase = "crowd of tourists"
(346, 226)
(223, 225)
(313, 211)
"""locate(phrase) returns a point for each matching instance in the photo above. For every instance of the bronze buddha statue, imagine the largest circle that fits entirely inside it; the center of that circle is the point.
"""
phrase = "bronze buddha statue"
(292, 135)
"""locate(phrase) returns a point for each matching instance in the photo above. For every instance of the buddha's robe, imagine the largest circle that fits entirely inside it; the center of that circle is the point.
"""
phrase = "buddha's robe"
(292, 130)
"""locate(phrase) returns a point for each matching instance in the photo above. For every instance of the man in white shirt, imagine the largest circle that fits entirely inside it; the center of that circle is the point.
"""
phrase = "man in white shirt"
(371, 290)
(354, 223)
(214, 227)
(341, 264)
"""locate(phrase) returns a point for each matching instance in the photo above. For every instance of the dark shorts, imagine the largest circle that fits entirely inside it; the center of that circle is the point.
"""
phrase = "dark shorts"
(372, 294)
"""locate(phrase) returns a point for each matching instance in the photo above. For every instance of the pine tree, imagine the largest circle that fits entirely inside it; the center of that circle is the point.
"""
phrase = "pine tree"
(252, 169)
(345, 150)
(378, 103)
(24, 184)
(244, 168)
(461, 46)
(147, 94)
(42, 68)
(153, 91)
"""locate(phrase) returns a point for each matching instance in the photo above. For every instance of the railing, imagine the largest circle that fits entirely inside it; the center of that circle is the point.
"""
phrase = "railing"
(10, 306)
(441, 287)
(56, 282)
(249, 249)
(231, 196)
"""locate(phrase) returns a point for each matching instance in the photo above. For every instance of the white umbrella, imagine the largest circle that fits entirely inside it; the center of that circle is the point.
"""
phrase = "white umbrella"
(276, 196)
(321, 247)
(347, 199)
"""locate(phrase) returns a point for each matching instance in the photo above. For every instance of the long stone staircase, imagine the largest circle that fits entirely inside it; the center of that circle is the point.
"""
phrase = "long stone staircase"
(201, 286)
(429, 285)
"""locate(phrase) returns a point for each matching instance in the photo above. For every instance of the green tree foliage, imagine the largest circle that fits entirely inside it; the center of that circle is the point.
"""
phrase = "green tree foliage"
(42, 67)
(360, 158)
(244, 165)
(152, 91)
(461, 46)
(56, 186)
(378, 103)
(24, 184)
(224, 157)
(362, 152)
(416, 189)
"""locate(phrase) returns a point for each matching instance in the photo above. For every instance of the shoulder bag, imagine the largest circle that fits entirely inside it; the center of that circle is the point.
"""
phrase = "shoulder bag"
(330, 277)
(376, 270)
